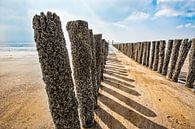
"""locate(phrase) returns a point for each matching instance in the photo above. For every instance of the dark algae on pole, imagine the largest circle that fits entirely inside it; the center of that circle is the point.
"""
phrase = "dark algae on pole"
(82, 61)
(56, 72)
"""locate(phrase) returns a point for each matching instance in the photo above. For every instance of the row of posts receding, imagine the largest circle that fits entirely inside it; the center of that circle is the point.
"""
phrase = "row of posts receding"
(72, 99)
(165, 58)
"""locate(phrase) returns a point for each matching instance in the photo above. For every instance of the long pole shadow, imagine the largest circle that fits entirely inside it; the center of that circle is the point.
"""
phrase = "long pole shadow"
(121, 77)
(122, 88)
(114, 67)
(117, 70)
(138, 107)
(111, 72)
(133, 117)
(109, 120)
(117, 81)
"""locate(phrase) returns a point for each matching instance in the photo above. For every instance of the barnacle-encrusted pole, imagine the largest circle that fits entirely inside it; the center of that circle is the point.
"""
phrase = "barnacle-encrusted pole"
(56, 72)
(144, 53)
(183, 52)
(106, 51)
(136, 51)
(141, 52)
(174, 56)
(98, 46)
(152, 54)
(156, 56)
(148, 54)
(93, 66)
(128, 50)
(161, 55)
(132, 51)
(82, 62)
(103, 58)
(167, 57)
(191, 69)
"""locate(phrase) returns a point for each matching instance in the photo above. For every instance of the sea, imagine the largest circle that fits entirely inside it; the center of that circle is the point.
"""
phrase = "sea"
(17, 46)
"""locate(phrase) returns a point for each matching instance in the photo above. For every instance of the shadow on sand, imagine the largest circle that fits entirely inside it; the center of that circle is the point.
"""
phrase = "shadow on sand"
(116, 82)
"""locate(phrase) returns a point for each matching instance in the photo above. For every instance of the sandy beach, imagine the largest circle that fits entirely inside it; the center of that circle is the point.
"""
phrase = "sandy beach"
(131, 96)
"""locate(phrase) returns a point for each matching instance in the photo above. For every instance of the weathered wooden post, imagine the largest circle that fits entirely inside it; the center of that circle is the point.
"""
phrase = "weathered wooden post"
(144, 53)
(123, 48)
(174, 56)
(167, 57)
(152, 54)
(156, 56)
(136, 51)
(184, 48)
(128, 50)
(93, 65)
(103, 57)
(191, 69)
(141, 52)
(82, 62)
(148, 53)
(106, 51)
(56, 72)
(98, 45)
(132, 50)
(161, 55)
(125, 52)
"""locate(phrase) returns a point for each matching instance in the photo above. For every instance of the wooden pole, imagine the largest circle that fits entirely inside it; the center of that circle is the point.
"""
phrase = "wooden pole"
(174, 56)
(82, 62)
(148, 53)
(152, 54)
(56, 71)
(161, 55)
(184, 48)
(98, 45)
(156, 56)
(167, 57)
(191, 69)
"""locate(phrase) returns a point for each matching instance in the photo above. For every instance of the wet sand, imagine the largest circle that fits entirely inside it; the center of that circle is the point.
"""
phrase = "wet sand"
(131, 96)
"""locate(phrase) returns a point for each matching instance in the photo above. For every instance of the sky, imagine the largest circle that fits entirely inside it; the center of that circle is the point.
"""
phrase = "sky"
(118, 20)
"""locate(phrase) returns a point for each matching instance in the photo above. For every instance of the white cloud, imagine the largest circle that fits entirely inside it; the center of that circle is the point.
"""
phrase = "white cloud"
(179, 27)
(167, 12)
(187, 25)
(165, 1)
(138, 16)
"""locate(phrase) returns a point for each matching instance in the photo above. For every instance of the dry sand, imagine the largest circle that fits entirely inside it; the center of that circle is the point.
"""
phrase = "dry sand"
(131, 96)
